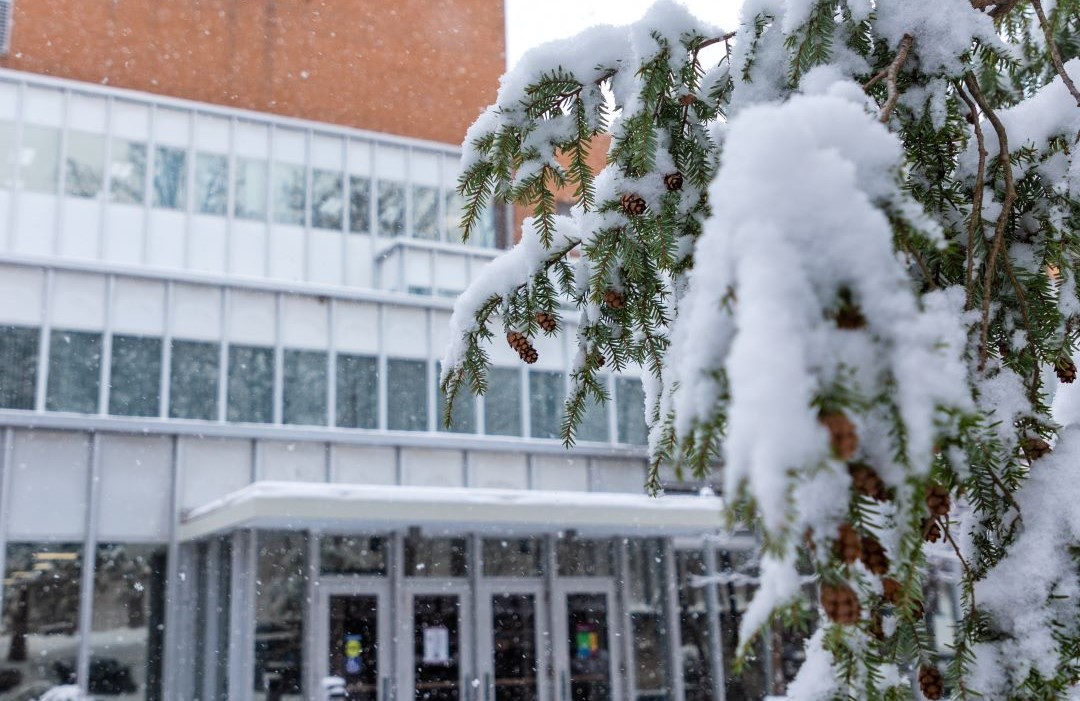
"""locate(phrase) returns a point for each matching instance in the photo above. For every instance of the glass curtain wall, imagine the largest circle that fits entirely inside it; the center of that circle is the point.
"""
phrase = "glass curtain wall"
(280, 609)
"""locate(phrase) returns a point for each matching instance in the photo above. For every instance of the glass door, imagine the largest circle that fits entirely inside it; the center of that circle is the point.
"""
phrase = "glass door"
(585, 657)
(436, 653)
(354, 637)
(511, 619)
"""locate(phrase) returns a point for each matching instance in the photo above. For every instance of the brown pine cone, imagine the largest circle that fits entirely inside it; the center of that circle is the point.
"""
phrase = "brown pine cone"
(601, 361)
(1066, 370)
(931, 682)
(547, 321)
(1034, 448)
(877, 625)
(865, 481)
(529, 355)
(848, 544)
(842, 434)
(633, 204)
(614, 299)
(841, 604)
(873, 556)
(931, 530)
(687, 100)
(890, 591)
(518, 341)
(673, 181)
(937, 500)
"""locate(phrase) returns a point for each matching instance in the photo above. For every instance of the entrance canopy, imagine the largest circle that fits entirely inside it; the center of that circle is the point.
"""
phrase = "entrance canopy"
(353, 507)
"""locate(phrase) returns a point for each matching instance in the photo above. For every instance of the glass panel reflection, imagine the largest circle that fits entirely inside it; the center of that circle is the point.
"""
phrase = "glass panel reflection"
(354, 644)
(436, 648)
(694, 626)
(347, 554)
(513, 632)
(435, 557)
(280, 604)
(128, 171)
(517, 557)
(85, 164)
(170, 177)
(590, 656)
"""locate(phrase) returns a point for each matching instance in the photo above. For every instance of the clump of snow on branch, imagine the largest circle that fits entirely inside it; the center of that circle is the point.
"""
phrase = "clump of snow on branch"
(943, 30)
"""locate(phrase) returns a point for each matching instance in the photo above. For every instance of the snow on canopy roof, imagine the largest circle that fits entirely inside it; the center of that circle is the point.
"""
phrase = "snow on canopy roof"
(348, 506)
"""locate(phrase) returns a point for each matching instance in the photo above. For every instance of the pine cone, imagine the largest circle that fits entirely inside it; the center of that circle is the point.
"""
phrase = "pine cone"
(842, 434)
(687, 100)
(931, 530)
(530, 355)
(1066, 370)
(841, 604)
(873, 556)
(546, 321)
(937, 500)
(633, 204)
(522, 346)
(865, 481)
(673, 181)
(850, 317)
(600, 359)
(614, 299)
(848, 544)
(1035, 448)
(890, 591)
(877, 626)
(931, 682)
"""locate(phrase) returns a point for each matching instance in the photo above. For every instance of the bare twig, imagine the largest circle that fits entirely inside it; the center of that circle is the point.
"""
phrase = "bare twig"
(1003, 217)
(1055, 55)
(1005, 491)
(963, 562)
(890, 74)
(998, 7)
(976, 199)
(716, 40)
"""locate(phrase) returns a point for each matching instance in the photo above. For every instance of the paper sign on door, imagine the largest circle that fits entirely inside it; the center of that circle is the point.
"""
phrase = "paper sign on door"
(437, 645)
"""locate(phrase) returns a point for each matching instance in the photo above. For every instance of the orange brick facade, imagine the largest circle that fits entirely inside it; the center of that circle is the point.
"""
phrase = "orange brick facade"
(415, 68)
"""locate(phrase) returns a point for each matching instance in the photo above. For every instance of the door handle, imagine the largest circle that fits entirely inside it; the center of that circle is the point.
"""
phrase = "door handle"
(487, 687)
(565, 694)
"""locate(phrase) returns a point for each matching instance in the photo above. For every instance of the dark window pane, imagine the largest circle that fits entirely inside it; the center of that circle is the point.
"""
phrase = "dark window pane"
(512, 557)
(211, 183)
(74, 371)
(630, 409)
(391, 208)
(407, 395)
(594, 422)
(546, 396)
(135, 376)
(350, 554)
(251, 384)
(289, 194)
(463, 419)
(18, 366)
(280, 596)
(326, 199)
(584, 558)
(425, 207)
(435, 557)
(250, 189)
(84, 169)
(170, 177)
(502, 403)
(193, 392)
(304, 399)
(128, 172)
(359, 204)
(357, 391)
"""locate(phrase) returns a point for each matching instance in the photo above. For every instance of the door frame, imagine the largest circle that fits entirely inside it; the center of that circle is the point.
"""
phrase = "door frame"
(560, 643)
(492, 586)
(434, 586)
(346, 585)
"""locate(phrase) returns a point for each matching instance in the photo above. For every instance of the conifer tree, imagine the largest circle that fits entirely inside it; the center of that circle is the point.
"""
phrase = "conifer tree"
(840, 244)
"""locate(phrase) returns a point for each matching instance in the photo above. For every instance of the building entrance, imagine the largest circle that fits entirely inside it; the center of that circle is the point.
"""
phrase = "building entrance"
(584, 654)
(511, 622)
(355, 637)
(436, 647)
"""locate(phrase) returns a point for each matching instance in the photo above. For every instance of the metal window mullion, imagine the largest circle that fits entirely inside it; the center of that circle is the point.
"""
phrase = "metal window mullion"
(429, 380)
(676, 684)
(89, 561)
(175, 649)
(189, 192)
(16, 166)
(241, 615)
(382, 400)
(309, 205)
(268, 220)
(61, 168)
(373, 216)
(44, 340)
(712, 611)
(311, 623)
(211, 619)
(410, 231)
(612, 409)
(106, 179)
(346, 209)
(279, 360)
(399, 617)
(6, 465)
(148, 180)
(231, 174)
(622, 565)
(331, 364)
(223, 358)
(106, 347)
(166, 354)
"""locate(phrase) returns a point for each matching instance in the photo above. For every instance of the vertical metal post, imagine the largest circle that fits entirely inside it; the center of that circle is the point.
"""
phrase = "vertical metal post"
(475, 560)
(550, 572)
(212, 632)
(674, 632)
(61, 167)
(106, 347)
(621, 617)
(712, 612)
(223, 357)
(242, 616)
(331, 363)
(5, 501)
(44, 339)
(166, 354)
(175, 589)
(312, 612)
(279, 359)
(399, 617)
(89, 560)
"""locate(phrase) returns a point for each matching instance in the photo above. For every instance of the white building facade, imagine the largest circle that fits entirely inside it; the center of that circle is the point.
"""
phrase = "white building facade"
(223, 470)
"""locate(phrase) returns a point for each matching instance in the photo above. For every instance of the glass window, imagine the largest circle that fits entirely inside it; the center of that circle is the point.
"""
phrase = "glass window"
(41, 614)
(463, 418)
(84, 169)
(250, 189)
(630, 411)
(502, 403)
(127, 172)
(193, 384)
(435, 557)
(359, 204)
(289, 194)
(211, 183)
(74, 371)
(40, 157)
(425, 204)
(483, 233)
(170, 178)
(546, 396)
(251, 384)
(280, 599)
(135, 377)
(357, 391)
(455, 205)
(750, 683)
(645, 596)
(407, 395)
(18, 366)
(129, 621)
(512, 557)
(594, 422)
(391, 208)
(352, 554)
(584, 558)
(327, 203)
(304, 397)
(694, 626)
(7, 154)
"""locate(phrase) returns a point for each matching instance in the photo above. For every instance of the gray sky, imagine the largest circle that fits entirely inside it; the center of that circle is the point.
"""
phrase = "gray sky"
(533, 22)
